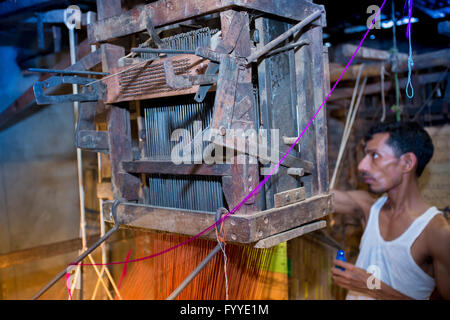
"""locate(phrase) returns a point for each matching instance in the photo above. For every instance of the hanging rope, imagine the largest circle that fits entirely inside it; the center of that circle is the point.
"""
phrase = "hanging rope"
(383, 98)
(409, 88)
(220, 236)
(351, 115)
(394, 59)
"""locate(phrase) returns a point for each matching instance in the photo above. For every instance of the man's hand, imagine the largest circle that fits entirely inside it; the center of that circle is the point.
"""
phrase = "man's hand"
(356, 279)
(353, 278)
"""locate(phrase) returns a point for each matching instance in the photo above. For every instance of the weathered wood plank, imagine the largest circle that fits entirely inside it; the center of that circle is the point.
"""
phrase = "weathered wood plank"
(290, 234)
(422, 61)
(346, 93)
(167, 167)
(234, 108)
(321, 83)
(289, 162)
(277, 99)
(306, 107)
(288, 197)
(124, 185)
(148, 81)
(240, 227)
(347, 50)
(169, 12)
(276, 220)
(225, 94)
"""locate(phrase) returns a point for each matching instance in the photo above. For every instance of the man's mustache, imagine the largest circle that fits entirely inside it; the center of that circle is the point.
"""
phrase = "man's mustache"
(366, 175)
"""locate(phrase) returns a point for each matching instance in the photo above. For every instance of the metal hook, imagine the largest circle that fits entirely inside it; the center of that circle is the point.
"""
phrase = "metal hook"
(85, 253)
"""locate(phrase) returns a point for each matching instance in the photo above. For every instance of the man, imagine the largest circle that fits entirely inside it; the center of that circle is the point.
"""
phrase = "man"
(405, 248)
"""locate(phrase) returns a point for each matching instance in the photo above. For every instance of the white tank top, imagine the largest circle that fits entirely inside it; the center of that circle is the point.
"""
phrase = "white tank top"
(391, 261)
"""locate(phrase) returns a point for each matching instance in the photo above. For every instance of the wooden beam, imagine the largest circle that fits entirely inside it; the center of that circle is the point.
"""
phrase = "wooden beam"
(290, 234)
(168, 167)
(234, 108)
(422, 61)
(347, 50)
(124, 185)
(263, 153)
(320, 78)
(346, 93)
(309, 74)
(240, 227)
(148, 81)
(168, 12)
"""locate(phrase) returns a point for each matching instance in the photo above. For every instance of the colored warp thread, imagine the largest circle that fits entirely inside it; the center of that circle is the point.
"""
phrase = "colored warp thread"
(155, 279)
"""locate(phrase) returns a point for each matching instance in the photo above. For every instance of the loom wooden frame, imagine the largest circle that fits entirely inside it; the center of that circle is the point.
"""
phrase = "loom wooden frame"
(251, 223)
(240, 228)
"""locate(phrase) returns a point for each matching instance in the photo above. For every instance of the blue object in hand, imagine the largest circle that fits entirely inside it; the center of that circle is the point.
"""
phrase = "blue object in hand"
(341, 256)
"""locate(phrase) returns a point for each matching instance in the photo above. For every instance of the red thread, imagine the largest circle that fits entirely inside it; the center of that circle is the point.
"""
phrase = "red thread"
(124, 270)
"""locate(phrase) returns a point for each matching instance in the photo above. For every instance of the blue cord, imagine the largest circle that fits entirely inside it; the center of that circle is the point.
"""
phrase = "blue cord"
(409, 88)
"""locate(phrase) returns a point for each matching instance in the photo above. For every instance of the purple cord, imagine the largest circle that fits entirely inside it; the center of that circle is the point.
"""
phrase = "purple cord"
(253, 192)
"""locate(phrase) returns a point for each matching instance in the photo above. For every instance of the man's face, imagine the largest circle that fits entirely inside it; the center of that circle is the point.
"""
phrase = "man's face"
(380, 167)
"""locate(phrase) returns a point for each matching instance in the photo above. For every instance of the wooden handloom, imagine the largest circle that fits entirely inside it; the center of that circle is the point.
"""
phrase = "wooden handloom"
(278, 89)
(242, 66)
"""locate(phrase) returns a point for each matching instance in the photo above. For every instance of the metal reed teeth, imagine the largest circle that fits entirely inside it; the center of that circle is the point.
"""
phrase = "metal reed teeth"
(202, 193)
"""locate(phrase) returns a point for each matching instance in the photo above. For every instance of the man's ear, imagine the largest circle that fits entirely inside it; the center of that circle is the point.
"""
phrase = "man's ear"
(409, 162)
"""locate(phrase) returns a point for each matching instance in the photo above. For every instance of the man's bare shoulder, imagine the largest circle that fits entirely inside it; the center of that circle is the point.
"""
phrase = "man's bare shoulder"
(437, 235)
(438, 232)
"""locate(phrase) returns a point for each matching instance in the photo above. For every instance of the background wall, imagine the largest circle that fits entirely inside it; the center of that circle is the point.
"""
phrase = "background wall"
(435, 180)
(38, 185)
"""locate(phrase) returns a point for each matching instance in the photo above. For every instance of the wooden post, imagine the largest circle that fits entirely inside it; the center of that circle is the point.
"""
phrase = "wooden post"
(245, 177)
(321, 84)
(124, 185)
(311, 65)
(306, 105)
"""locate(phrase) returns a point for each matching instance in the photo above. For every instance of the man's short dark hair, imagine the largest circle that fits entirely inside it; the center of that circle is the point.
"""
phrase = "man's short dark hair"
(406, 137)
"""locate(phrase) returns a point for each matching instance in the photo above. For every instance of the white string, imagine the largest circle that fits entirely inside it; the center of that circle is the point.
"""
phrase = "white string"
(222, 247)
(409, 88)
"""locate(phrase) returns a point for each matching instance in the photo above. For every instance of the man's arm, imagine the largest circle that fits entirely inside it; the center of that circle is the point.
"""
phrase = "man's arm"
(355, 203)
(357, 279)
(438, 240)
